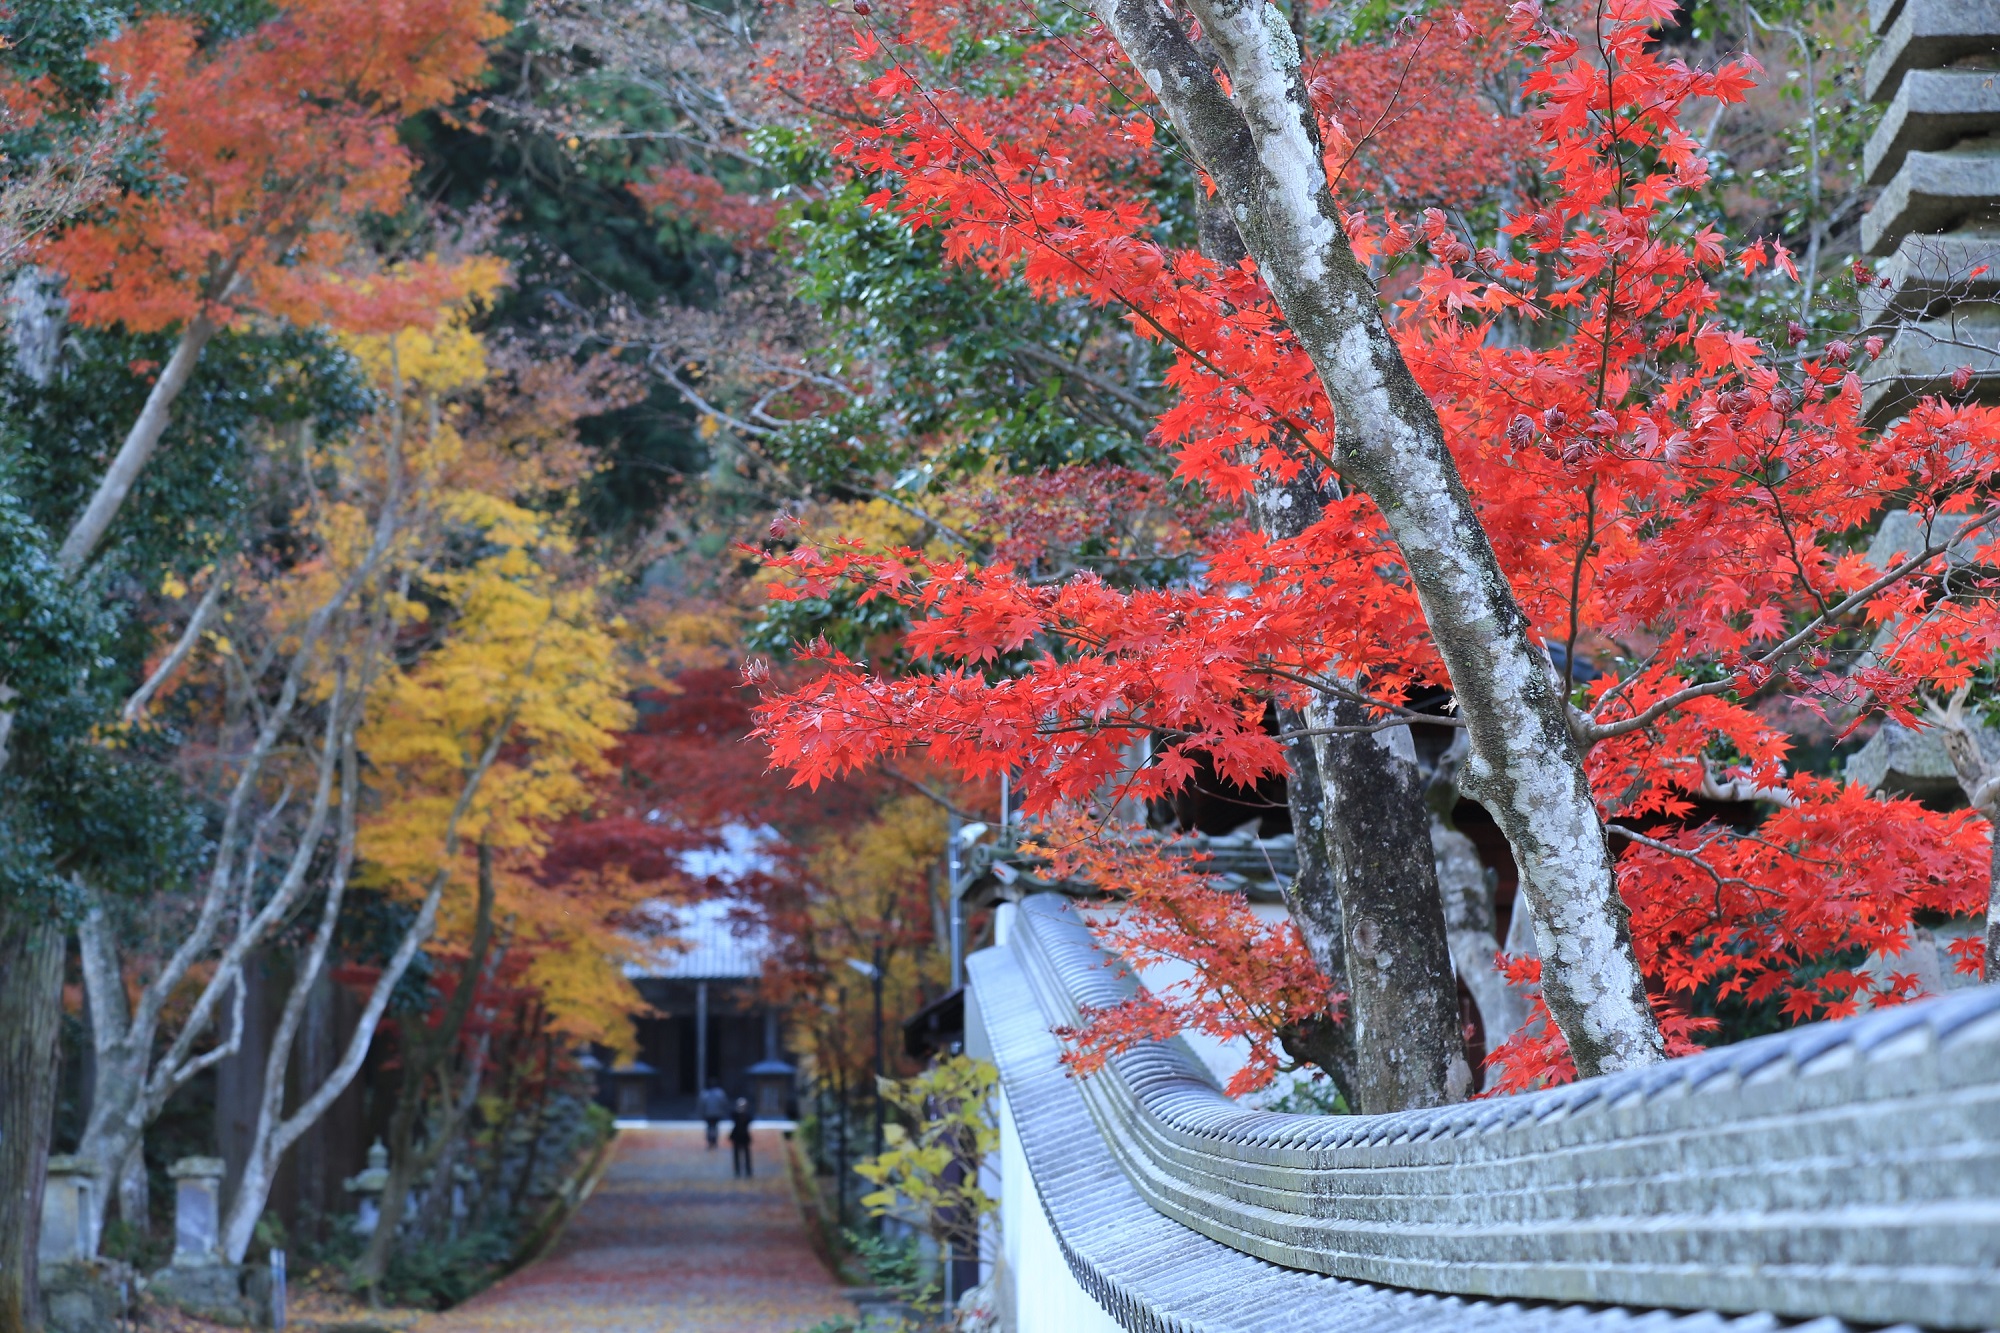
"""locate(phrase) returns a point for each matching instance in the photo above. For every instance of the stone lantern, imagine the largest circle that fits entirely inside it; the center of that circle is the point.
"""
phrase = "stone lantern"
(772, 1083)
(367, 1189)
(633, 1087)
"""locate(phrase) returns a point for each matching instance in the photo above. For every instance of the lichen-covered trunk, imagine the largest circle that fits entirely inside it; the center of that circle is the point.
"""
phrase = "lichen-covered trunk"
(1314, 904)
(1990, 971)
(1402, 993)
(113, 1126)
(1260, 144)
(1363, 799)
(1471, 931)
(31, 967)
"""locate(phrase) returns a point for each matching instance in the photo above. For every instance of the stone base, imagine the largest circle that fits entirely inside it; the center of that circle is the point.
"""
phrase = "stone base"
(89, 1297)
(208, 1291)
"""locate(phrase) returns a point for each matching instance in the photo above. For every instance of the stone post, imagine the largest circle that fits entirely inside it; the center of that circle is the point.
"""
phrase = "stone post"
(66, 1213)
(198, 1280)
(197, 1187)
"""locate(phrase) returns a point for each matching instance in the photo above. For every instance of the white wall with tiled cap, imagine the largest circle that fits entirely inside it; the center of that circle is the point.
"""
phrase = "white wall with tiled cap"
(1847, 1171)
(1039, 1294)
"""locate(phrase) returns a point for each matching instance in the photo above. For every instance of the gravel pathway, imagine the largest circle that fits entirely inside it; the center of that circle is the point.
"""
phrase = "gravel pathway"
(669, 1243)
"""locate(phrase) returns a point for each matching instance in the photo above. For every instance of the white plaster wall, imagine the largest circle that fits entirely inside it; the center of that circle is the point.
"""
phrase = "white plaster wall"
(1038, 1293)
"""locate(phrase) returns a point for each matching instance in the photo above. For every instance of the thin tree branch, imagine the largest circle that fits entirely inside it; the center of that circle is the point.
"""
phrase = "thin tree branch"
(190, 636)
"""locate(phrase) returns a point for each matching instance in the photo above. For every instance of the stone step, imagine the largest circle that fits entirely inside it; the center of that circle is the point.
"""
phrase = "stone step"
(1934, 109)
(1922, 358)
(1929, 274)
(1934, 192)
(1929, 34)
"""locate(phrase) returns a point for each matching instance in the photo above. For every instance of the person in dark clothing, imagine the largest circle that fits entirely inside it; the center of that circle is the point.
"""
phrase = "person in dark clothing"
(739, 1138)
(714, 1106)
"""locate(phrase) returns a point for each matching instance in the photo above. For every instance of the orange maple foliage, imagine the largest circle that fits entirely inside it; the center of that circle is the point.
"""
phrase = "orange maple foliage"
(268, 146)
(1249, 980)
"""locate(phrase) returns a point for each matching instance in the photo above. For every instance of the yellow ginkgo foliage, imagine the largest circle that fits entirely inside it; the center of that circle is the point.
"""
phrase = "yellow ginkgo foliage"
(524, 668)
(438, 360)
(505, 693)
(510, 712)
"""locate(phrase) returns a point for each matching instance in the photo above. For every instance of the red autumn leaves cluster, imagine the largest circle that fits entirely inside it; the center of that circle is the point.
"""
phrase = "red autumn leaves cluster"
(1245, 980)
(1661, 487)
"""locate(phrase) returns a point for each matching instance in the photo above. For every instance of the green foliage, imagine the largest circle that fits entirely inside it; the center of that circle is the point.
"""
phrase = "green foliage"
(55, 439)
(1795, 169)
(932, 1163)
(1309, 1096)
(51, 632)
(863, 630)
(146, 1250)
(49, 41)
(71, 806)
(888, 1263)
(581, 243)
(950, 390)
(371, 924)
(439, 1275)
(74, 804)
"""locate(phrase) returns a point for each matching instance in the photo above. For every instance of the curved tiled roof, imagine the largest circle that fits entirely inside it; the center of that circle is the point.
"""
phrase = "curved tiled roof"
(1844, 1171)
(696, 942)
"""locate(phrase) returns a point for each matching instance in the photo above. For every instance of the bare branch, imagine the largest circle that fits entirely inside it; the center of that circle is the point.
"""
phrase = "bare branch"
(190, 636)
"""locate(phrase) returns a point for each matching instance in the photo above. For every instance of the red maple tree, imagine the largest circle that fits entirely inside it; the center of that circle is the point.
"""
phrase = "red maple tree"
(1661, 488)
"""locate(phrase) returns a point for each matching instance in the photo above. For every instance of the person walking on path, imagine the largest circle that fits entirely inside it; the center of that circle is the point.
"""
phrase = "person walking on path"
(739, 1139)
(714, 1106)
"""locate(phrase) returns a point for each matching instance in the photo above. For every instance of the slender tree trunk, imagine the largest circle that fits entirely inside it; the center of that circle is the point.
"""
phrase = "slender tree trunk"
(1312, 897)
(1366, 896)
(1980, 781)
(1366, 804)
(525, 1186)
(511, 1066)
(29, 1063)
(277, 1132)
(1403, 994)
(1359, 825)
(31, 967)
(137, 1079)
(442, 1152)
(135, 1196)
(1260, 144)
(87, 533)
(1314, 904)
(404, 1166)
(426, 1054)
(1470, 928)
(1991, 971)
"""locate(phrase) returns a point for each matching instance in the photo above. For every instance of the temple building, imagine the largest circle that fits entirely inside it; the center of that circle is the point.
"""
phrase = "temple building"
(708, 1021)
